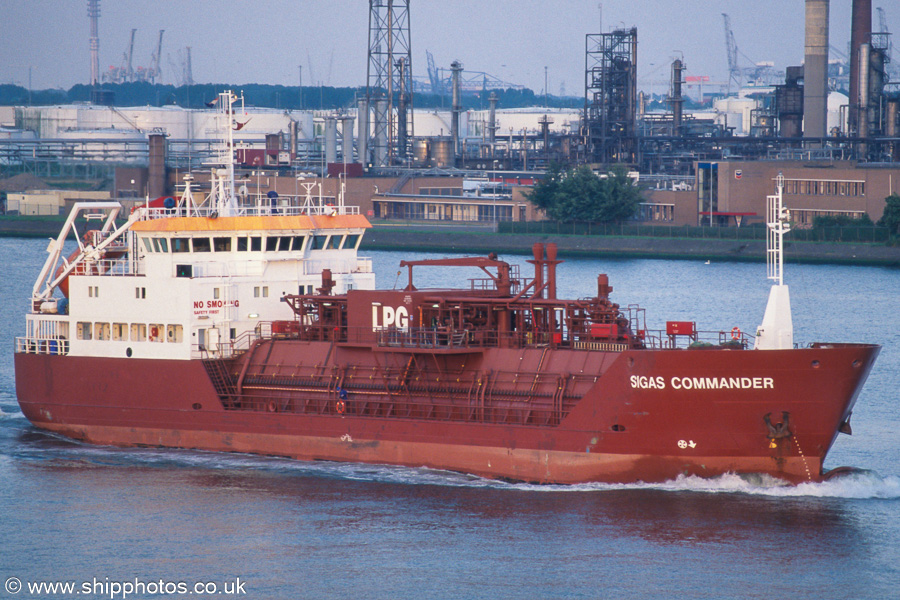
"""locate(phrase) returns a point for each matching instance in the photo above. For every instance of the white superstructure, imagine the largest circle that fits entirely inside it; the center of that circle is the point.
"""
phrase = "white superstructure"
(188, 279)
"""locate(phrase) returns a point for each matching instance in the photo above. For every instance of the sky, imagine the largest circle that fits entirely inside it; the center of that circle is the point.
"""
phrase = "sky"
(46, 41)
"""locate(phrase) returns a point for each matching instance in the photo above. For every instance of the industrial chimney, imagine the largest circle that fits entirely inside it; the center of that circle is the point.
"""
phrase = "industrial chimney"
(94, 14)
(815, 70)
(455, 70)
(860, 31)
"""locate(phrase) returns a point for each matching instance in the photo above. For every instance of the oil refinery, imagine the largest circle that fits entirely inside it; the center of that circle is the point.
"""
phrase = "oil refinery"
(829, 126)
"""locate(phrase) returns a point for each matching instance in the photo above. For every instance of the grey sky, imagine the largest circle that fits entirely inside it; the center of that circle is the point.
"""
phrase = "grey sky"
(264, 42)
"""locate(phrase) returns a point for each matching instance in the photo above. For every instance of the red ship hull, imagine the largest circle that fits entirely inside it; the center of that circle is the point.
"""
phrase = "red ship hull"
(636, 415)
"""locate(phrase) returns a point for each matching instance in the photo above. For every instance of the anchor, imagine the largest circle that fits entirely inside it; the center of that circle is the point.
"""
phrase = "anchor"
(781, 430)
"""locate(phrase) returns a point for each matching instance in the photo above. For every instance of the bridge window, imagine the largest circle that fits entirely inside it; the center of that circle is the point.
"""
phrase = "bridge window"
(174, 334)
(120, 332)
(138, 332)
(156, 332)
(101, 331)
(181, 245)
(222, 244)
(351, 241)
(298, 243)
(83, 331)
(201, 244)
(319, 241)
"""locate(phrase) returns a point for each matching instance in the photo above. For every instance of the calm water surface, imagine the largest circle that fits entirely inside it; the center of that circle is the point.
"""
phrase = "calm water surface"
(72, 512)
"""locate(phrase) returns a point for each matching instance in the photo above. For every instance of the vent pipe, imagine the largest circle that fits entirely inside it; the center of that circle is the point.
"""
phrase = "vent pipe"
(330, 140)
(347, 139)
(362, 132)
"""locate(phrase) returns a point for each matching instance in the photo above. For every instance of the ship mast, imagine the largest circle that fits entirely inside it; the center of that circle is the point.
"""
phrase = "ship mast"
(222, 197)
(777, 329)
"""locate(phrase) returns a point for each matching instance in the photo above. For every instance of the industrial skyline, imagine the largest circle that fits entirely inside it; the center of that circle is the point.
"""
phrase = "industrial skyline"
(48, 47)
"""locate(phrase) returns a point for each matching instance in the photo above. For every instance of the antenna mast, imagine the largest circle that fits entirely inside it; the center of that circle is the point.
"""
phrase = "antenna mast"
(777, 329)
(776, 226)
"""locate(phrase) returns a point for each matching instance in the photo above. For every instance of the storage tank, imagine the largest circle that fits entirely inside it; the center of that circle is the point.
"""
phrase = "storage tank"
(421, 148)
(442, 152)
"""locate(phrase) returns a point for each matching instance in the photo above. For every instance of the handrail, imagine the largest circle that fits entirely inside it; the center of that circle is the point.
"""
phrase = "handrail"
(146, 213)
(448, 338)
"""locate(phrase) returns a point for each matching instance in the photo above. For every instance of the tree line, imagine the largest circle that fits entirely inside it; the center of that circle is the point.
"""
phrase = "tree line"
(263, 95)
(579, 194)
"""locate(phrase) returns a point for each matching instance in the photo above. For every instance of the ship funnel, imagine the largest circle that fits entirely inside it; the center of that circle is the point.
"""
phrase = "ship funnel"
(603, 287)
(551, 270)
(538, 251)
(777, 329)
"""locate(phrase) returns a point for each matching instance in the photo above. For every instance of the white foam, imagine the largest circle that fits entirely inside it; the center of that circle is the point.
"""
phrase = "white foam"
(858, 485)
(11, 414)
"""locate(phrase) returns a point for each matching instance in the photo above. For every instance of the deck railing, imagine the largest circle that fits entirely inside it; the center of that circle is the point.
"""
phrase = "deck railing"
(34, 345)
(150, 213)
(450, 339)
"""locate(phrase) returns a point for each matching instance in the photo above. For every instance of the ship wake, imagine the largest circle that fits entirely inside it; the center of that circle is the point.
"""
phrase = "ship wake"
(851, 484)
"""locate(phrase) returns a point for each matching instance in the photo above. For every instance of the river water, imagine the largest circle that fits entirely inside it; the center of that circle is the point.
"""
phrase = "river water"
(131, 523)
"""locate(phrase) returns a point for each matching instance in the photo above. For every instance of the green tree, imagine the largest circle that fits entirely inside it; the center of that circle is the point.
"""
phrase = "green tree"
(891, 216)
(842, 221)
(580, 195)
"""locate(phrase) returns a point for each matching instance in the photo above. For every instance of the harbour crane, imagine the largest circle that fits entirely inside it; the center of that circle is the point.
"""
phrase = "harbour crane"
(154, 72)
(734, 71)
(892, 70)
